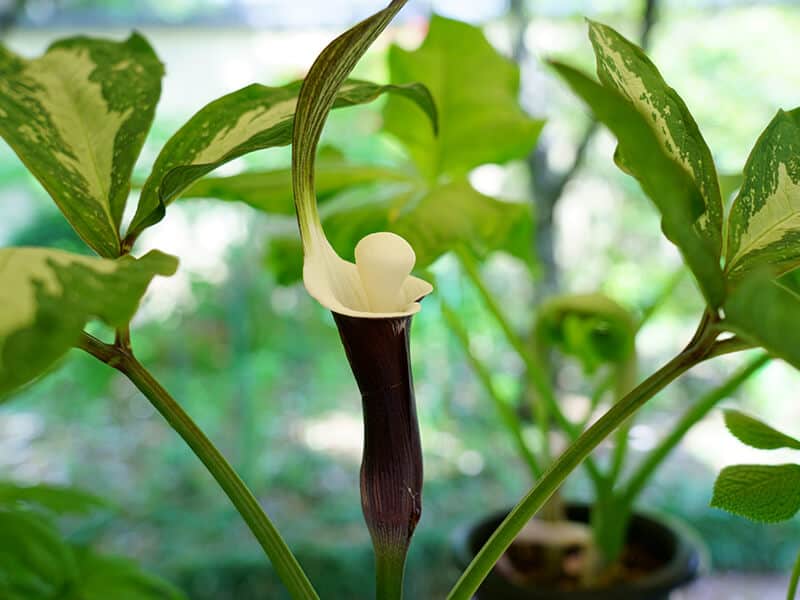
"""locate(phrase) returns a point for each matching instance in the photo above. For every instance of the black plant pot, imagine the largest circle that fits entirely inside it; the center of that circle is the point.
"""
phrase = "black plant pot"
(683, 554)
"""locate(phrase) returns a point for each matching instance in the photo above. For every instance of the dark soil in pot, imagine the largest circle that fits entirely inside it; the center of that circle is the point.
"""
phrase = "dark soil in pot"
(660, 556)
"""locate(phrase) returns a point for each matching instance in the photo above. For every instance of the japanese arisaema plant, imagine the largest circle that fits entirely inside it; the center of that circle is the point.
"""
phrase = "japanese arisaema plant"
(372, 301)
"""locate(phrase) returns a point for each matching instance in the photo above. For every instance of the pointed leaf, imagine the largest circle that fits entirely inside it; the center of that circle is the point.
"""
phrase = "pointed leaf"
(764, 224)
(477, 92)
(756, 434)
(271, 191)
(253, 118)
(674, 192)
(624, 68)
(766, 493)
(77, 117)
(48, 296)
(766, 313)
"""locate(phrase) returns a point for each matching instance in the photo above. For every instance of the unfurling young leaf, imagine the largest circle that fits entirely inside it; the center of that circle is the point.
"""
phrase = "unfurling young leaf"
(766, 493)
(677, 195)
(764, 224)
(48, 296)
(756, 434)
(77, 117)
(476, 90)
(253, 118)
(624, 67)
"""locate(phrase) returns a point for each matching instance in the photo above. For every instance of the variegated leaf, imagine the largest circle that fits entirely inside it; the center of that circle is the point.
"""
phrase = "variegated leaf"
(623, 67)
(764, 224)
(77, 117)
(48, 296)
(250, 119)
(671, 188)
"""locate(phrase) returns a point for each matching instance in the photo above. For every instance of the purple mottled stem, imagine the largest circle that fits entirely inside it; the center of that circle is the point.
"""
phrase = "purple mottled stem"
(391, 469)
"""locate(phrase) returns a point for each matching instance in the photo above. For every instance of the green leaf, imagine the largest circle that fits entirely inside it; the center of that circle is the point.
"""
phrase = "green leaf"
(764, 224)
(77, 117)
(104, 577)
(476, 90)
(624, 68)
(49, 498)
(253, 118)
(766, 493)
(35, 562)
(729, 184)
(48, 296)
(271, 191)
(756, 434)
(674, 192)
(766, 313)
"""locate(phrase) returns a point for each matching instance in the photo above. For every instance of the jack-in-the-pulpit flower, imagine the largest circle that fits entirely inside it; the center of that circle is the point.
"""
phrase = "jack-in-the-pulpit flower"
(372, 301)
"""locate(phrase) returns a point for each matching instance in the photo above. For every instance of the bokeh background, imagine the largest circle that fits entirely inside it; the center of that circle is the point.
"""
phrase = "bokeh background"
(259, 365)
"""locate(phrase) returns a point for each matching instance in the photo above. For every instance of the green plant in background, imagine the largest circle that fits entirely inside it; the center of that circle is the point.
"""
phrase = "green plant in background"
(762, 493)
(37, 562)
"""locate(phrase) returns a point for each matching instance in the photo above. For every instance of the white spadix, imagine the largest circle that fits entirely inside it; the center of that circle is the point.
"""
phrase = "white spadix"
(384, 261)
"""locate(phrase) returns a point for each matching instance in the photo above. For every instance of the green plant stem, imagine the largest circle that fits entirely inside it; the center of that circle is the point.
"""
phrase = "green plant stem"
(389, 567)
(286, 565)
(654, 459)
(792, 591)
(552, 479)
(507, 414)
(536, 373)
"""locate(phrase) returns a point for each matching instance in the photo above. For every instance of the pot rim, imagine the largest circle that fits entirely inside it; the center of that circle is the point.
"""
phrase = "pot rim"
(690, 559)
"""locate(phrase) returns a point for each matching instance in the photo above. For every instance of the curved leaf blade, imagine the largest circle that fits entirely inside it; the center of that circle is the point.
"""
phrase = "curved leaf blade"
(765, 312)
(764, 224)
(102, 577)
(253, 118)
(477, 92)
(49, 295)
(55, 499)
(756, 434)
(77, 117)
(674, 192)
(623, 66)
(765, 493)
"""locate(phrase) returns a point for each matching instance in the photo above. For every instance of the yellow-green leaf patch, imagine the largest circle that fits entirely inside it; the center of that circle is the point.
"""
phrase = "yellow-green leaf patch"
(48, 296)
(77, 117)
(476, 90)
(764, 224)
